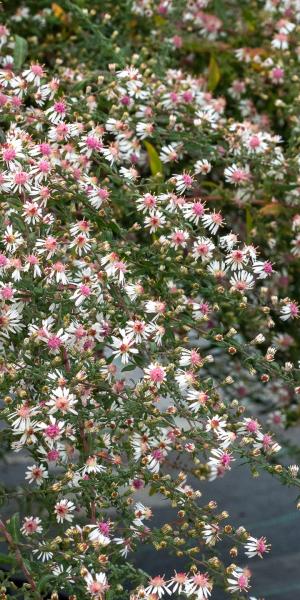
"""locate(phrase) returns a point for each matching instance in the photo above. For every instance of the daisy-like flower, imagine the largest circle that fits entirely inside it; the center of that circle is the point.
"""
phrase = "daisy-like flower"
(265, 442)
(123, 346)
(263, 269)
(193, 211)
(155, 220)
(146, 203)
(64, 510)
(12, 239)
(82, 293)
(170, 153)
(43, 552)
(62, 400)
(236, 259)
(202, 167)
(137, 328)
(217, 269)
(34, 74)
(100, 533)
(178, 582)
(36, 474)
(216, 423)
(155, 459)
(237, 175)
(158, 585)
(198, 400)
(53, 430)
(31, 525)
(96, 585)
(156, 374)
(57, 112)
(203, 248)
(242, 281)
(238, 581)
(178, 239)
(290, 310)
(92, 466)
(200, 585)
(221, 458)
(211, 534)
(190, 358)
(183, 182)
(256, 547)
(212, 221)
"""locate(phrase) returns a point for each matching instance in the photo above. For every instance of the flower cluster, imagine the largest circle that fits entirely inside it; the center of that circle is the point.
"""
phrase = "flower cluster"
(139, 316)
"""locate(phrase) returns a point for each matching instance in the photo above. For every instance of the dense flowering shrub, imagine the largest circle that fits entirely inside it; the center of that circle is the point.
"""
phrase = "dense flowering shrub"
(139, 317)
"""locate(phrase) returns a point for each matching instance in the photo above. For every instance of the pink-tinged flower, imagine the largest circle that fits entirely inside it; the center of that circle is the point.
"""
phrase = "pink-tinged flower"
(191, 358)
(96, 585)
(62, 400)
(199, 584)
(92, 466)
(31, 525)
(146, 203)
(100, 533)
(256, 547)
(198, 400)
(178, 582)
(47, 246)
(263, 269)
(212, 221)
(170, 153)
(178, 238)
(158, 585)
(280, 41)
(90, 143)
(57, 112)
(249, 426)
(221, 458)
(202, 167)
(184, 182)
(242, 281)
(124, 346)
(265, 442)
(290, 310)
(155, 459)
(156, 374)
(203, 248)
(155, 220)
(34, 74)
(53, 430)
(216, 423)
(12, 239)
(63, 510)
(277, 75)
(238, 581)
(237, 175)
(236, 259)
(36, 474)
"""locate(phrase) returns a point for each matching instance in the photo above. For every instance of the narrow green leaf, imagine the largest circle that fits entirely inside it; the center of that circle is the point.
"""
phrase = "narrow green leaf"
(14, 526)
(249, 223)
(20, 51)
(154, 160)
(42, 584)
(214, 74)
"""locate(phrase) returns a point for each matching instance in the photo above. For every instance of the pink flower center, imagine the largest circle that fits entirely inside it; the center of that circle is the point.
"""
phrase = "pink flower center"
(54, 342)
(52, 431)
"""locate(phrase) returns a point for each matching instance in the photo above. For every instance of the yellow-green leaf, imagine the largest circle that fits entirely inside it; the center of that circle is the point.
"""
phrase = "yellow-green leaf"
(154, 160)
(214, 74)
(20, 51)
